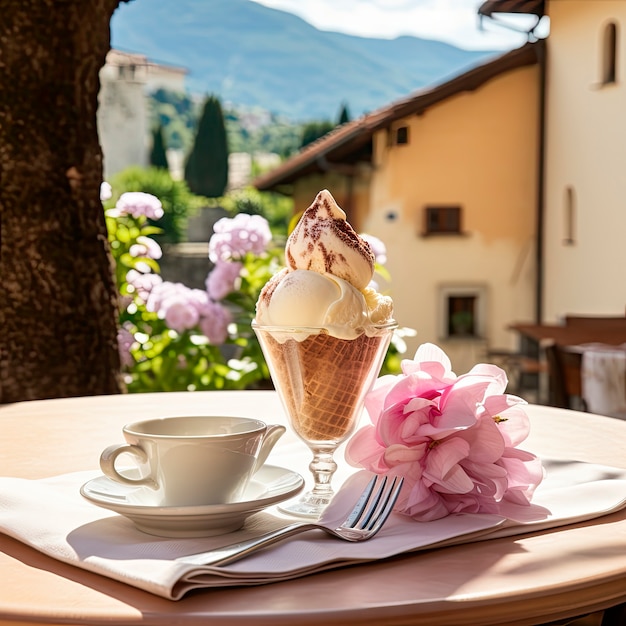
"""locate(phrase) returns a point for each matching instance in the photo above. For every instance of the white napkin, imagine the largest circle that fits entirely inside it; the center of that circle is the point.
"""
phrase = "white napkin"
(603, 374)
(52, 517)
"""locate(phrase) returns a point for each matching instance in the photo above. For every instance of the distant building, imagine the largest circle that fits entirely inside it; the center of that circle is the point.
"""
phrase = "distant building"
(123, 115)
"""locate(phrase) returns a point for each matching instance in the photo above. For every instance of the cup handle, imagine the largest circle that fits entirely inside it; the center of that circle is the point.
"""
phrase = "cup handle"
(107, 464)
(273, 433)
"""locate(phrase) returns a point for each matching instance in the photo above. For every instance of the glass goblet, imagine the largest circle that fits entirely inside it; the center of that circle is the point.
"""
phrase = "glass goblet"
(322, 382)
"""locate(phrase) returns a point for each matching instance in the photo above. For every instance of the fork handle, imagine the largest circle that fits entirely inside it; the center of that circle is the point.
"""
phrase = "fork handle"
(235, 551)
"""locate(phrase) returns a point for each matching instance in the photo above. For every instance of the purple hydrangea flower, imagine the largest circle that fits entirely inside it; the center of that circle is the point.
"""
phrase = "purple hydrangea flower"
(180, 315)
(177, 304)
(233, 237)
(183, 308)
(214, 323)
(138, 203)
(222, 279)
(146, 247)
(143, 283)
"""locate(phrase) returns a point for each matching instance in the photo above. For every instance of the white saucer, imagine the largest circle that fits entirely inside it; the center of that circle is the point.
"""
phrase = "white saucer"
(270, 485)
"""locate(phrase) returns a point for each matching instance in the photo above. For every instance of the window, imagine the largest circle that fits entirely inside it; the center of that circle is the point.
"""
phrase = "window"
(443, 220)
(461, 316)
(609, 54)
(402, 135)
(463, 310)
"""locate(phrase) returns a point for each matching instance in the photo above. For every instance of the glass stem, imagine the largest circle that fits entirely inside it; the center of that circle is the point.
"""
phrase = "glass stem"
(323, 467)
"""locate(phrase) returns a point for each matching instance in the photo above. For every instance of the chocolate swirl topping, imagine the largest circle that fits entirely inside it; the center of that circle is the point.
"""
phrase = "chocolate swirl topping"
(324, 242)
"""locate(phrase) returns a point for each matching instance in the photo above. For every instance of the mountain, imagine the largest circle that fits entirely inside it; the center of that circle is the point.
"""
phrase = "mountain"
(252, 55)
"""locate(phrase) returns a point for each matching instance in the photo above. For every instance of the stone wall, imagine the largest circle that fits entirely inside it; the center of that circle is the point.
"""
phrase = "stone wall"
(188, 262)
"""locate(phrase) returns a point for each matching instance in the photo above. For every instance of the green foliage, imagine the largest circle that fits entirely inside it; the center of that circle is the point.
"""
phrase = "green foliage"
(206, 169)
(315, 130)
(252, 131)
(178, 202)
(275, 208)
(123, 233)
(178, 115)
(158, 155)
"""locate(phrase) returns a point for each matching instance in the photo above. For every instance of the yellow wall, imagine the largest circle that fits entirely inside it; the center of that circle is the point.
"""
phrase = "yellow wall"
(477, 150)
(586, 151)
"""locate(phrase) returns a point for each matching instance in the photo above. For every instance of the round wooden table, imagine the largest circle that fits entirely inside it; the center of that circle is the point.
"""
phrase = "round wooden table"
(526, 579)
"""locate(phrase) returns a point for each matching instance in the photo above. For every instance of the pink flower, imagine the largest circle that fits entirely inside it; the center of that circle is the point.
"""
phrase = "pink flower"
(179, 315)
(184, 309)
(453, 438)
(176, 304)
(146, 247)
(233, 237)
(222, 279)
(142, 283)
(137, 203)
(214, 322)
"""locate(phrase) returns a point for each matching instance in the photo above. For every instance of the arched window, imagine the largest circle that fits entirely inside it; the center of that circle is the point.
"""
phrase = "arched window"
(609, 54)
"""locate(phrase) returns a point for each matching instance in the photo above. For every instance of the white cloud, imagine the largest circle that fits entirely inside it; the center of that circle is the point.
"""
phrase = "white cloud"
(452, 21)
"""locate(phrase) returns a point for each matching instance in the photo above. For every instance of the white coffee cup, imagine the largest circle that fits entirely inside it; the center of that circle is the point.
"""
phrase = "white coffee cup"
(193, 461)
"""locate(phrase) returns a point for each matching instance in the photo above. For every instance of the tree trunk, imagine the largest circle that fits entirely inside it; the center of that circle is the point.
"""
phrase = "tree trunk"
(58, 304)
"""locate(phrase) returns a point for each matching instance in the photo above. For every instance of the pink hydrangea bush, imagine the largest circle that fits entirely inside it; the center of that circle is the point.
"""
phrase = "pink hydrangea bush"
(173, 337)
(453, 438)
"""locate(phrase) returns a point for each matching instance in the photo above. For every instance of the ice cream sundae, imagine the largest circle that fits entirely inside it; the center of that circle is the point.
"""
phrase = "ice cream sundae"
(324, 331)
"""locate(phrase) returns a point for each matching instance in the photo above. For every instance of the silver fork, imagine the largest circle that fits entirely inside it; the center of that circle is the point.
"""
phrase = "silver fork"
(366, 519)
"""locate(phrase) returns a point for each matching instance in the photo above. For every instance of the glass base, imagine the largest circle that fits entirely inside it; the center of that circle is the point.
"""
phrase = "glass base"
(310, 505)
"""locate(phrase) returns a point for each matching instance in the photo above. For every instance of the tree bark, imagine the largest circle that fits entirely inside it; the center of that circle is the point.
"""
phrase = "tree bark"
(58, 303)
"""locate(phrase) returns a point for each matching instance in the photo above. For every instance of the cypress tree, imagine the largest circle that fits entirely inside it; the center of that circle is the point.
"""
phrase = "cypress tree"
(344, 114)
(206, 169)
(158, 155)
(314, 130)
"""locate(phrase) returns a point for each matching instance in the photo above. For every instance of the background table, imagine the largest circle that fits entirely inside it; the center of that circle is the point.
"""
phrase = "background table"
(528, 579)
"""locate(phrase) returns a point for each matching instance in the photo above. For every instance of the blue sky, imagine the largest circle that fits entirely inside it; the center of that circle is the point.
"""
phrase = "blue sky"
(452, 21)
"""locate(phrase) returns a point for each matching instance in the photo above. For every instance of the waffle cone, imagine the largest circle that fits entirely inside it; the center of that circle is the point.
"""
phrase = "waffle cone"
(322, 381)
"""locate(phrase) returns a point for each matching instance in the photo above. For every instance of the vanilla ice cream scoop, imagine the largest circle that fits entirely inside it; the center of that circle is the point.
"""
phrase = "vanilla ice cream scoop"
(305, 298)
(324, 242)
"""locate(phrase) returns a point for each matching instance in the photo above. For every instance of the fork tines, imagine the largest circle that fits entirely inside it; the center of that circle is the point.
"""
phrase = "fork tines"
(376, 505)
